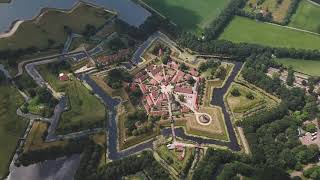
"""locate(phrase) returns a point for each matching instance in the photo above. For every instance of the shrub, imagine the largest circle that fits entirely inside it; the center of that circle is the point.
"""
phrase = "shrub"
(250, 96)
(235, 92)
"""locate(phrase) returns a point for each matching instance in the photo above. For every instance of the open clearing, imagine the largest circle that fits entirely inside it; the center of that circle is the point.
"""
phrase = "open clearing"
(307, 17)
(279, 12)
(50, 27)
(11, 126)
(310, 67)
(189, 14)
(246, 30)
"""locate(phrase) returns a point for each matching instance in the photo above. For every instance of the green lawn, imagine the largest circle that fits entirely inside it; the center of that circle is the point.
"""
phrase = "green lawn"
(241, 103)
(86, 111)
(171, 157)
(11, 126)
(307, 17)
(50, 26)
(189, 14)
(246, 30)
(305, 66)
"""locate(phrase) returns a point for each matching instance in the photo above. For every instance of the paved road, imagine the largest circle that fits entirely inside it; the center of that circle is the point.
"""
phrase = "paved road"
(293, 28)
(21, 64)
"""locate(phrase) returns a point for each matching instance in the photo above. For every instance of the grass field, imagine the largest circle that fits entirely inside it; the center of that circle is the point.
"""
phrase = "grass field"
(279, 12)
(50, 26)
(307, 17)
(246, 30)
(305, 66)
(11, 126)
(241, 103)
(171, 157)
(189, 14)
(86, 111)
(242, 106)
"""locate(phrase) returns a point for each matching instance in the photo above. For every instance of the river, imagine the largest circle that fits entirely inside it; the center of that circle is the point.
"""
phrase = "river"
(62, 169)
(128, 11)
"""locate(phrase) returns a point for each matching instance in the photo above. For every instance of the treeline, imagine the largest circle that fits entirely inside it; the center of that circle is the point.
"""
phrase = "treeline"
(35, 156)
(133, 164)
(89, 163)
(218, 25)
(243, 50)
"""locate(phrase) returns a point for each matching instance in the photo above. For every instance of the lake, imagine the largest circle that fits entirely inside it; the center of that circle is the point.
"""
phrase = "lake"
(127, 10)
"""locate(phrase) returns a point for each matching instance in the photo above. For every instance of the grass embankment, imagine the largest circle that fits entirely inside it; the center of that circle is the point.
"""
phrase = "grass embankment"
(189, 14)
(35, 139)
(310, 67)
(49, 28)
(242, 106)
(210, 86)
(86, 111)
(307, 17)
(11, 125)
(172, 157)
(215, 130)
(279, 11)
(246, 30)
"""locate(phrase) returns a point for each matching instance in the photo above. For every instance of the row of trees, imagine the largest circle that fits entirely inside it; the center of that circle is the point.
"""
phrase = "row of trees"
(54, 152)
(133, 164)
(89, 162)
(116, 77)
(218, 25)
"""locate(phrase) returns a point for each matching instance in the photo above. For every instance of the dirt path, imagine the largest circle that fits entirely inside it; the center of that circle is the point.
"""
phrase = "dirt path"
(293, 28)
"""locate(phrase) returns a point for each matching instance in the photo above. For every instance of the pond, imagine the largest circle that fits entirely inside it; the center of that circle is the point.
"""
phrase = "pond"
(128, 11)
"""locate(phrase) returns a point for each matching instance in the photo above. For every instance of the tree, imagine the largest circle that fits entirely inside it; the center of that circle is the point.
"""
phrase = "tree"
(221, 73)
(191, 81)
(181, 98)
(89, 31)
(250, 96)
(310, 127)
(235, 92)
(290, 78)
(183, 67)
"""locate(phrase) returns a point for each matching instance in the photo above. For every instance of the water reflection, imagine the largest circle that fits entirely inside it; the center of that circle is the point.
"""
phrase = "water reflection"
(27, 9)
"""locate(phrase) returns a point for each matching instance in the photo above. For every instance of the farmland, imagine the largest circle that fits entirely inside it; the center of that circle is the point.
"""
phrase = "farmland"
(307, 17)
(305, 66)
(249, 31)
(189, 14)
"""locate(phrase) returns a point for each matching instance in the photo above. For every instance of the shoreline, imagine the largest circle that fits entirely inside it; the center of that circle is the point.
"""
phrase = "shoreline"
(16, 24)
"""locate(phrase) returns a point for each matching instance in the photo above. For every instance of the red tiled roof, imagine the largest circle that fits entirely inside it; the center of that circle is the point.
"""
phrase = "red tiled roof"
(114, 57)
(143, 88)
(156, 71)
(149, 100)
(183, 90)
